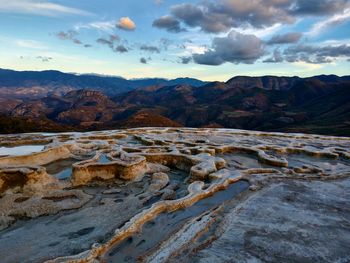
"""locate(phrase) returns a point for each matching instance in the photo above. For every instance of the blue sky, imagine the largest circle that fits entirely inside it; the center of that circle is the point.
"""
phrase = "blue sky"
(210, 40)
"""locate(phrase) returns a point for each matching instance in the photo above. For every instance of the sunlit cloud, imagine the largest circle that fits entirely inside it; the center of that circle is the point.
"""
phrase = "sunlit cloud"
(126, 23)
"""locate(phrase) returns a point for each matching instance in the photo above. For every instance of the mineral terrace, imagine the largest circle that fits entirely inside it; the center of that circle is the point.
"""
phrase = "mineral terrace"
(174, 195)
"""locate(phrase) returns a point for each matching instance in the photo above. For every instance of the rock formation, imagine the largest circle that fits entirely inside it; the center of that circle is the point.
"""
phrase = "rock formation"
(170, 194)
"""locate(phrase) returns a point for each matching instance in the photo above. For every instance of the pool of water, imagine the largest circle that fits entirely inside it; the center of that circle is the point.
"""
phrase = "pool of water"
(20, 150)
(104, 159)
(165, 224)
(61, 169)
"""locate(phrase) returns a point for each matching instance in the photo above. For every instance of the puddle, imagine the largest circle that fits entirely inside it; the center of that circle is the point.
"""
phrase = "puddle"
(21, 150)
(165, 224)
(104, 159)
(61, 169)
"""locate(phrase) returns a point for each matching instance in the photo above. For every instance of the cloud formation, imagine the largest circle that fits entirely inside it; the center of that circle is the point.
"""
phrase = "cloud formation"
(276, 57)
(143, 60)
(113, 42)
(223, 15)
(70, 35)
(310, 54)
(110, 41)
(38, 7)
(288, 38)
(168, 23)
(125, 23)
(121, 49)
(316, 54)
(99, 25)
(185, 60)
(234, 48)
(334, 20)
(152, 49)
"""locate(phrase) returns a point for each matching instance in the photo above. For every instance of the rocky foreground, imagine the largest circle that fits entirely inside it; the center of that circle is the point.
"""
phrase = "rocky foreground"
(174, 195)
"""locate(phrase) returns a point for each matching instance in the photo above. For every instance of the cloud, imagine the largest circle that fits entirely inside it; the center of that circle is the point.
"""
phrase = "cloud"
(158, 2)
(185, 60)
(99, 25)
(316, 54)
(310, 54)
(112, 39)
(143, 60)
(318, 7)
(126, 23)
(288, 38)
(121, 49)
(330, 22)
(113, 42)
(38, 7)
(168, 23)
(32, 44)
(152, 49)
(70, 35)
(223, 15)
(234, 48)
(277, 57)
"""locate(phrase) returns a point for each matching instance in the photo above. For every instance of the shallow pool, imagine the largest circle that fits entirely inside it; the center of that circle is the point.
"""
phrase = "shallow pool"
(21, 150)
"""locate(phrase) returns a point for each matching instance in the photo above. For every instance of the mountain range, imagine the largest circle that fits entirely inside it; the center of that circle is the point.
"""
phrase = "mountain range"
(55, 101)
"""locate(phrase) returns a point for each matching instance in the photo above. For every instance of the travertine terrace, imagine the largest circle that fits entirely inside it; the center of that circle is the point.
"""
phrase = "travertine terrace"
(174, 195)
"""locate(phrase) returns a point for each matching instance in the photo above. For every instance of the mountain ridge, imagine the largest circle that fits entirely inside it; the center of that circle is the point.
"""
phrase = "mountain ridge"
(319, 104)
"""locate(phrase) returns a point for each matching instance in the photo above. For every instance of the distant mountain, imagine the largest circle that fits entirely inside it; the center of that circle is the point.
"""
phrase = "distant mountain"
(319, 104)
(29, 84)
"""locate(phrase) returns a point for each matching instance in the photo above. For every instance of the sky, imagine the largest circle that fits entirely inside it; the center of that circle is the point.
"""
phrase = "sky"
(205, 39)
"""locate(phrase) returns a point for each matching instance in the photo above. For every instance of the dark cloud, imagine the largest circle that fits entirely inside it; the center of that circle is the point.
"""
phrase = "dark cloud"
(316, 54)
(310, 54)
(113, 42)
(143, 60)
(288, 38)
(152, 49)
(221, 15)
(104, 41)
(70, 35)
(87, 45)
(168, 23)
(318, 7)
(185, 60)
(195, 16)
(110, 41)
(121, 49)
(235, 48)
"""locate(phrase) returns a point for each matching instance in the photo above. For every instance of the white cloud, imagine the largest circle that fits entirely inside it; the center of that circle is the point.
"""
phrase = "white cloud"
(260, 32)
(99, 25)
(32, 44)
(37, 7)
(332, 21)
